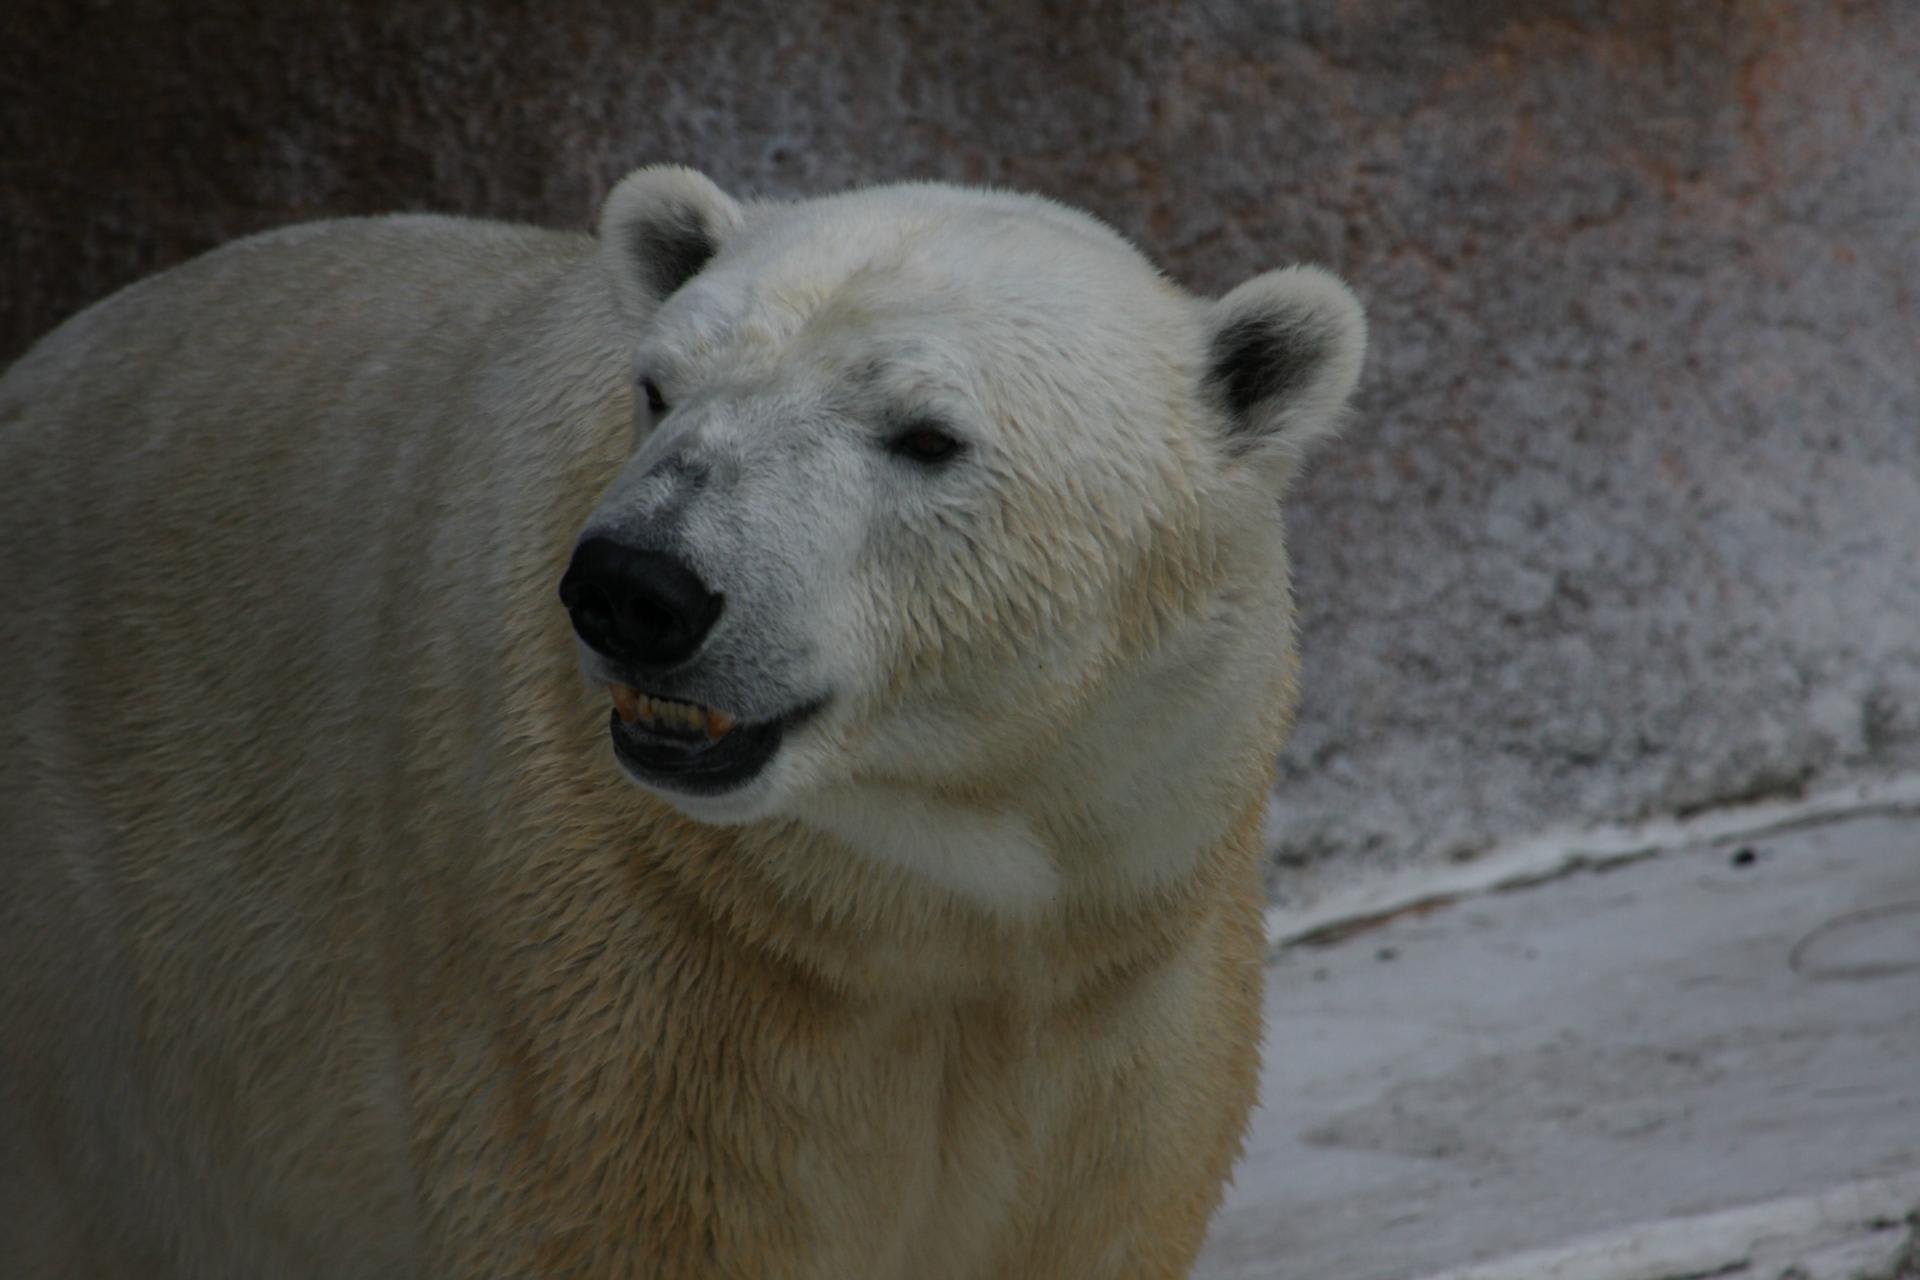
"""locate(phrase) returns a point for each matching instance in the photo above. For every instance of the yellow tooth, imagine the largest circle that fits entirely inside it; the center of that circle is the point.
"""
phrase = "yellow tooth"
(634, 705)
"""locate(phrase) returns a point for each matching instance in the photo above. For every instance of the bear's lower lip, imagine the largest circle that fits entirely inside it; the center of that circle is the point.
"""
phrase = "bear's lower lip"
(699, 765)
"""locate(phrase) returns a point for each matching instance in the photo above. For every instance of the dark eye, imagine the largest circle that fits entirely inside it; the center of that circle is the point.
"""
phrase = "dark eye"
(925, 443)
(656, 403)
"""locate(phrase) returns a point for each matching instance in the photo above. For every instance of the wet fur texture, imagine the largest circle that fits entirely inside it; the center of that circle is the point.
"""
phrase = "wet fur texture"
(332, 941)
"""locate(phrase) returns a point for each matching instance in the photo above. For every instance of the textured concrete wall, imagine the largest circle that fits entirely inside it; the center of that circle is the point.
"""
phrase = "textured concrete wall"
(1629, 517)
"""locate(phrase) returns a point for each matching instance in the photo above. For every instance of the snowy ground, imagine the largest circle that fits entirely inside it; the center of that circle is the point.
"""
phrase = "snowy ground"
(1696, 1063)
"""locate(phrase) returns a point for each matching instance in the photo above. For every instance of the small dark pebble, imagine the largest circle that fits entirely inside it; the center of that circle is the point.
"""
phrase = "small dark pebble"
(1386, 953)
(1744, 856)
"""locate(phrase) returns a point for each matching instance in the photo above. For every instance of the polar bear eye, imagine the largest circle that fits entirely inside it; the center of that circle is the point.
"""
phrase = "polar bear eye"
(656, 403)
(925, 443)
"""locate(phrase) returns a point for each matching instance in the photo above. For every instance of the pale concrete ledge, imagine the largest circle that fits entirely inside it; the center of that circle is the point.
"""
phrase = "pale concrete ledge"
(1640, 1062)
(1370, 897)
(1855, 1232)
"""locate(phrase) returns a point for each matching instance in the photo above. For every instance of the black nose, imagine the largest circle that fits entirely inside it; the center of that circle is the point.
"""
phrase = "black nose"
(642, 607)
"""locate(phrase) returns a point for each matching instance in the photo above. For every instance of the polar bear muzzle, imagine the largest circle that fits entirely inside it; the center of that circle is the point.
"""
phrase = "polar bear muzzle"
(644, 614)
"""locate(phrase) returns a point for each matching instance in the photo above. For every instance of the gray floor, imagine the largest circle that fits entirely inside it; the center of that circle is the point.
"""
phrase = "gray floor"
(1714, 1028)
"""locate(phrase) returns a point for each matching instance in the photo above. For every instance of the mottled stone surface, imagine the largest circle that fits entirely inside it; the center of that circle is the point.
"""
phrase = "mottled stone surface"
(1629, 518)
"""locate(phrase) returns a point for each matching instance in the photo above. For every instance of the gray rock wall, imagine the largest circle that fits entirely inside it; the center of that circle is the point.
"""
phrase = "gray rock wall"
(1629, 516)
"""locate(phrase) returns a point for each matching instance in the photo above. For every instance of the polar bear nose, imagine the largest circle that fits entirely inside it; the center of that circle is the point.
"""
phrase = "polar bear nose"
(643, 607)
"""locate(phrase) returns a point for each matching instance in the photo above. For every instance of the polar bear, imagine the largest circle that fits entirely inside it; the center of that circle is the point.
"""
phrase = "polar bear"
(882, 902)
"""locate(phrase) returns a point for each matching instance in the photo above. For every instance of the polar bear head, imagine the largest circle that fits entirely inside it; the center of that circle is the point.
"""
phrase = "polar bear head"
(952, 526)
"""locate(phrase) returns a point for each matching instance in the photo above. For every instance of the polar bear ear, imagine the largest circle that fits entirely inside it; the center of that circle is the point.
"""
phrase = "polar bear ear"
(1283, 355)
(657, 229)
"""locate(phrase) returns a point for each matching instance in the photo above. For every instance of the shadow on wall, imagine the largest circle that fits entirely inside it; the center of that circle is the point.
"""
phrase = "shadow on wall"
(1629, 517)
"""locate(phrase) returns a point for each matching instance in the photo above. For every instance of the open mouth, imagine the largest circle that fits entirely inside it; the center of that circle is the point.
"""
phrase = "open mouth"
(689, 747)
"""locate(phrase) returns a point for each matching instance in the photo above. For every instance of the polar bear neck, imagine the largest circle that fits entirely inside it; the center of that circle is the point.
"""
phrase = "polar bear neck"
(856, 926)
(1131, 803)
(923, 897)
(990, 856)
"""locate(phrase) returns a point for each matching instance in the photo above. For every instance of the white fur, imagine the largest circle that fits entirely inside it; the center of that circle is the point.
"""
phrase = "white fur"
(990, 857)
(300, 806)
(1066, 363)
